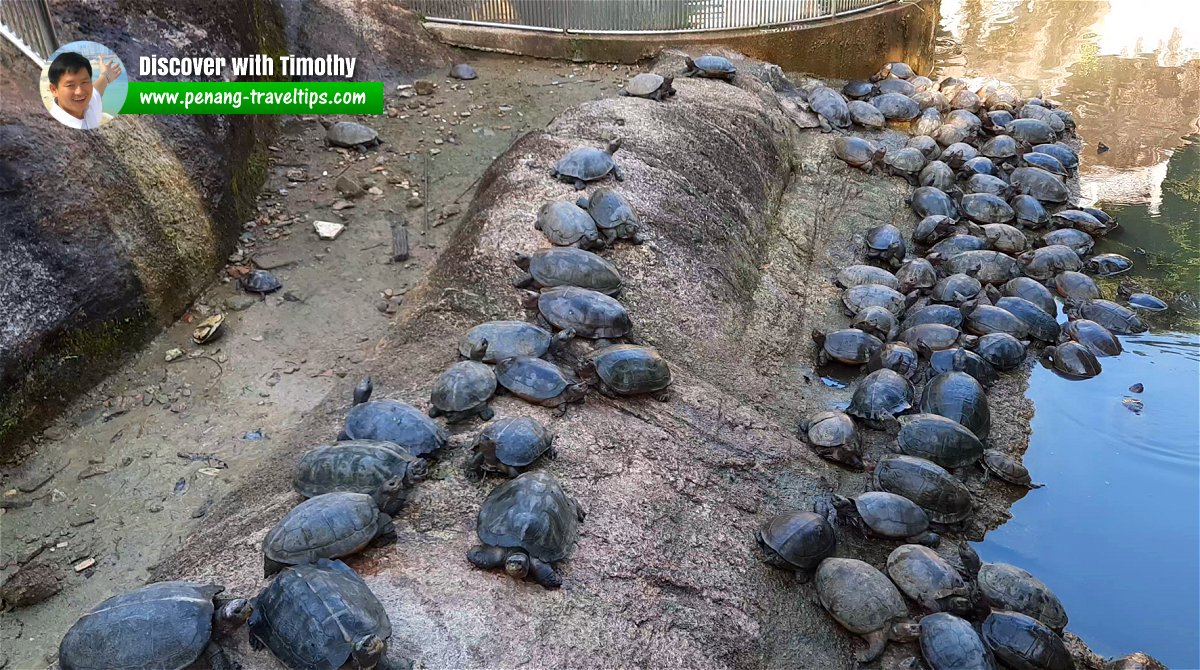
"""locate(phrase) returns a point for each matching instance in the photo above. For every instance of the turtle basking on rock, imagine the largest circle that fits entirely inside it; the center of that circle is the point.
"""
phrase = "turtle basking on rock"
(880, 396)
(590, 314)
(614, 216)
(397, 422)
(586, 164)
(462, 391)
(939, 439)
(509, 446)
(849, 346)
(859, 153)
(567, 266)
(709, 66)
(649, 85)
(865, 602)
(566, 224)
(623, 370)
(1021, 641)
(928, 579)
(350, 135)
(833, 436)
(885, 244)
(539, 381)
(951, 643)
(356, 466)
(495, 341)
(929, 485)
(797, 542)
(1007, 468)
(881, 514)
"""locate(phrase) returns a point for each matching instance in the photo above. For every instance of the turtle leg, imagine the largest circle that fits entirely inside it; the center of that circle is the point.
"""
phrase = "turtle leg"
(602, 342)
(605, 390)
(509, 471)
(876, 641)
(609, 235)
(618, 172)
(524, 281)
(217, 660)
(927, 538)
(822, 358)
(486, 556)
(662, 396)
(544, 574)
(473, 468)
(560, 410)
(486, 413)
(803, 576)
(270, 566)
(580, 184)
(342, 436)
(386, 535)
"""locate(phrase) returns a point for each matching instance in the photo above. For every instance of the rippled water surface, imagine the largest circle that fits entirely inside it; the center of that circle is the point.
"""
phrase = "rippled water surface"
(1116, 530)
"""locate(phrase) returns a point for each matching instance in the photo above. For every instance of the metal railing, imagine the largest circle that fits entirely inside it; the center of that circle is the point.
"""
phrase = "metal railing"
(635, 16)
(27, 24)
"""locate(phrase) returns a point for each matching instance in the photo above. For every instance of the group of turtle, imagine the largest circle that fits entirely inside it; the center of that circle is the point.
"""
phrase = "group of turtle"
(999, 243)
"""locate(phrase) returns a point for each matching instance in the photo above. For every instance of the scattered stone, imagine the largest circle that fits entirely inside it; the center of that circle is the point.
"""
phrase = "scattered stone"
(173, 354)
(375, 190)
(202, 510)
(385, 307)
(257, 338)
(434, 152)
(181, 486)
(1137, 388)
(30, 585)
(254, 436)
(83, 520)
(84, 564)
(453, 209)
(95, 471)
(153, 507)
(328, 230)
(210, 472)
(347, 186)
(275, 259)
(53, 433)
(407, 93)
(342, 204)
(415, 201)
(239, 302)
(35, 484)
(423, 87)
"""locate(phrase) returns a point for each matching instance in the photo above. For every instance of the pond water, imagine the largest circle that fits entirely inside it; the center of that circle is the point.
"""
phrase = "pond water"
(1115, 530)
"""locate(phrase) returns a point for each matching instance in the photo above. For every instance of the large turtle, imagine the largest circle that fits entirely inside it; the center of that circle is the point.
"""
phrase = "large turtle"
(926, 338)
(951, 643)
(1080, 220)
(1108, 265)
(896, 106)
(1038, 323)
(982, 319)
(981, 184)
(586, 164)
(628, 370)
(989, 267)
(1021, 642)
(1029, 211)
(161, 626)
(259, 281)
(916, 274)
(1040, 184)
(462, 391)
(881, 514)
(1044, 263)
(1077, 240)
(931, 229)
(938, 175)
(895, 356)
(928, 579)
(499, 340)
(1092, 335)
(527, 525)
(963, 360)
(833, 436)
(885, 243)
(857, 298)
(1001, 350)
(1034, 292)
(321, 615)
(1072, 360)
(396, 422)
(614, 216)
(649, 85)
(897, 86)
(1116, 318)
(566, 224)
(876, 321)
(938, 439)
(927, 123)
(539, 381)
(927, 201)
(857, 275)
(954, 245)
(849, 346)
(567, 266)
(590, 314)
(1065, 154)
(1030, 131)
(709, 66)
(350, 135)
(508, 446)
(333, 525)
(907, 163)
(797, 542)
(865, 602)
(958, 397)
(880, 396)
(1074, 287)
(956, 289)
(356, 466)
(946, 315)
(866, 115)
(927, 484)
(859, 153)
(831, 108)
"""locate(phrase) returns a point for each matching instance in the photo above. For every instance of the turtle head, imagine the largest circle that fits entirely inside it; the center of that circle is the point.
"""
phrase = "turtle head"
(561, 338)
(362, 392)
(233, 613)
(575, 392)
(325, 123)
(517, 565)
(521, 260)
(970, 560)
(935, 259)
(418, 470)
(369, 651)
(667, 81)
(905, 631)
(614, 146)
(842, 504)
(478, 349)
(818, 337)
(529, 299)
(691, 64)
(390, 495)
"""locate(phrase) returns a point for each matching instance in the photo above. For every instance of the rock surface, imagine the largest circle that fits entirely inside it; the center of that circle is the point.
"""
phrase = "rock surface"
(30, 585)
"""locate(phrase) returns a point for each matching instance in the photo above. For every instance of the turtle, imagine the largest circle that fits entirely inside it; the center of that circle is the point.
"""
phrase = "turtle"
(921, 83)
(866, 114)
(927, 146)
(927, 484)
(876, 321)
(964, 119)
(567, 266)
(930, 337)
(463, 71)
(857, 152)
(857, 298)
(927, 123)
(1029, 211)
(1028, 289)
(508, 446)
(259, 281)
(958, 153)
(623, 370)
(1040, 184)
(938, 439)
(865, 602)
(321, 615)
(956, 289)
(1030, 131)
(858, 89)
(1049, 262)
(833, 436)
(935, 100)
(586, 164)
(986, 183)
(1024, 643)
(950, 135)
(566, 224)
(958, 397)
(896, 69)
(1008, 468)
(1001, 148)
(1146, 301)
(955, 244)
(1068, 121)
(940, 176)
(986, 207)
(1107, 265)
(895, 356)
(952, 85)
(907, 163)
(1038, 324)
(1005, 238)
(356, 466)
(946, 315)
(333, 525)
(1074, 286)
(885, 243)
(995, 120)
(1065, 154)
(1101, 216)
(1044, 162)
(796, 542)
(494, 341)
(966, 100)
(979, 165)
(1135, 661)
(590, 314)
(1001, 350)
(933, 228)
(880, 396)
(928, 579)
(857, 275)
(1044, 115)
(1118, 319)
(1072, 360)
(849, 346)
(350, 135)
(614, 216)
(649, 85)
(951, 643)
(927, 201)
(208, 330)
(1007, 587)
(462, 391)
(1092, 335)
(830, 107)
(527, 525)
(1079, 220)
(984, 319)
(989, 267)
(962, 360)
(882, 514)
(396, 422)
(160, 626)
(539, 381)
(1077, 240)
(896, 106)
(916, 274)
(709, 66)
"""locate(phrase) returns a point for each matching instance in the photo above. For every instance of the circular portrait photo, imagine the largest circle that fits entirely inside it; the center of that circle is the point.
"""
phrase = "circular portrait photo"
(84, 86)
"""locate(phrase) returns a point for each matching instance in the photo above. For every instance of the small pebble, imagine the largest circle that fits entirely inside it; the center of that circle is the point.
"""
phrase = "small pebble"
(1137, 388)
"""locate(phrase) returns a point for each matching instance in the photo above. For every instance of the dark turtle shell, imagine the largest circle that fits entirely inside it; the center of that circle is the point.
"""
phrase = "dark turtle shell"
(897, 86)
(1000, 147)
(1038, 294)
(858, 275)
(926, 578)
(350, 135)
(1065, 154)
(712, 67)
(963, 119)
(1008, 468)
(1030, 131)
(260, 281)
(1005, 238)
(945, 315)
(916, 273)
(1118, 319)
(515, 441)
(890, 515)
(865, 114)
(933, 228)
(1092, 335)
(956, 244)
(1044, 115)
(979, 165)
(506, 339)
(858, 89)
(860, 598)
(986, 319)
(1079, 220)
(989, 267)
(927, 146)
(958, 153)
(531, 512)
(799, 540)
(958, 397)
(857, 152)
(1029, 211)
(1077, 240)
(396, 422)
(962, 360)
(966, 100)
(1101, 216)
(881, 395)
(1001, 350)
(1108, 265)
(1148, 302)
(927, 201)
(587, 163)
(955, 289)
(1020, 641)
(830, 105)
(930, 336)
(986, 206)
(939, 176)
(537, 380)
(115, 633)
(858, 298)
(1038, 323)
(1040, 184)
(895, 69)
(463, 387)
(830, 429)
(927, 484)
(568, 266)
(565, 224)
(611, 212)
(876, 321)
(949, 135)
(1075, 286)
(1072, 359)
(849, 345)
(927, 123)
(938, 439)
(310, 616)
(896, 107)
(986, 183)
(997, 119)
(906, 162)
(952, 85)
(921, 83)
(1044, 162)
(1048, 261)
(885, 242)
(1007, 587)
(590, 313)
(896, 357)
(649, 85)
(356, 466)
(951, 643)
(628, 370)
(325, 526)
(463, 71)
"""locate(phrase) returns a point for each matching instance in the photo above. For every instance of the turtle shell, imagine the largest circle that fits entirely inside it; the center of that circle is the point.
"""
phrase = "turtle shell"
(1065, 154)
(396, 422)
(1029, 211)
(858, 298)
(350, 134)
(905, 161)
(644, 85)
(858, 89)
(1107, 265)
(463, 71)
(260, 281)
(856, 151)
(590, 313)
(1045, 162)
(940, 176)
(962, 360)
(463, 386)
(924, 576)
(896, 69)
(984, 204)
(958, 153)
(1007, 587)
(565, 224)
(1039, 184)
(506, 339)
(948, 135)
(1147, 302)
(357, 466)
(568, 266)
(1032, 131)
(933, 228)
(998, 118)
(850, 346)
(519, 441)
(934, 100)
(1007, 467)
(1001, 350)
(1092, 335)
(532, 379)
(927, 484)
(958, 397)
(1020, 641)
(1005, 238)
(586, 163)
(951, 643)
(1116, 318)
(898, 86)
(1000, 147)
(530, 512)
(830, 429)
(927, 201)
(928, 121)
(956, 288)
(627, 369)
(966, 100)
(880, 395)
(1046, 262)
(1075, 286)
(1073, 360)
(921, 83)
(985, 319)
(877, 322)
(114, 634)
(801, 539)
(1079, 220)
(896, 357)
(1135, 661)
(717, 67)
(325, 526)
(931, 336)
(830, 105)
(896, 107)
(938, 439)
(865, 114)
(979, 165)
(310, 616)
(1038, 294)
(862, 599)
(610, 210)
(891, 515)
(857, 275)
(1044, 115)
(945, 315)
(1076, 240)
(989, 267)
(927, 146)
(1037, 322)
(956, 244)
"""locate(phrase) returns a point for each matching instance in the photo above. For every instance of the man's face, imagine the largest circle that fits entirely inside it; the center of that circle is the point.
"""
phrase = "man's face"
(73, 92)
